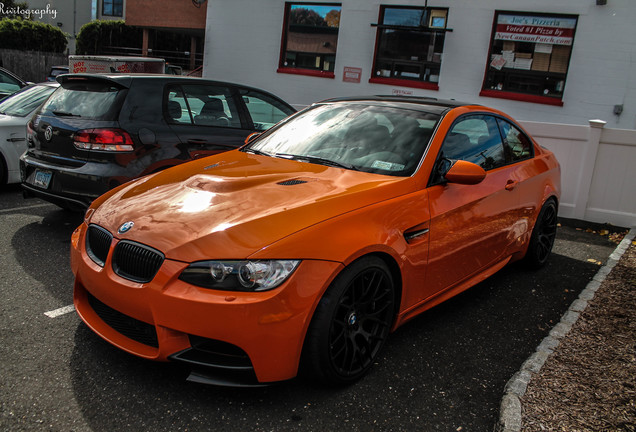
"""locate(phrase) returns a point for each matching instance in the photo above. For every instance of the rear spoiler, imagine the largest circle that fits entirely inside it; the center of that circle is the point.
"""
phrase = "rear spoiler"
(121, 81)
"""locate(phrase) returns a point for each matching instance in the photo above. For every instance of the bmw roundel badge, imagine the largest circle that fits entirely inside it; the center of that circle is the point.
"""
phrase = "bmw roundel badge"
(125, 227)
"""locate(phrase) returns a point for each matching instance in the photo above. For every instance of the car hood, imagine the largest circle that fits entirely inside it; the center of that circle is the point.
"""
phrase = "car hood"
(234, 204)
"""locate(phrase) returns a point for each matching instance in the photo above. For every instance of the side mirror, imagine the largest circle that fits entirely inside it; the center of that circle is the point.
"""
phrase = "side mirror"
(251, 137)
(464, 172)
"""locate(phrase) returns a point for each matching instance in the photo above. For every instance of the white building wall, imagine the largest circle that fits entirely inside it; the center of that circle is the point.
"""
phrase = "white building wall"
(243, 43)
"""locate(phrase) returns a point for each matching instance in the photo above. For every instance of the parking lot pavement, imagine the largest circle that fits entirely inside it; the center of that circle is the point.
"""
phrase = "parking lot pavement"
(445, 370)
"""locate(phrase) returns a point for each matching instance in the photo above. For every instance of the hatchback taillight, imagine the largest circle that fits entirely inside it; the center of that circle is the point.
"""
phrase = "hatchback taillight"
(116, 140)
(30, 133)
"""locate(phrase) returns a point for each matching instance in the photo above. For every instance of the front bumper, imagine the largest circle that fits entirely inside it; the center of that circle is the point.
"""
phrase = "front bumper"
(227, 337)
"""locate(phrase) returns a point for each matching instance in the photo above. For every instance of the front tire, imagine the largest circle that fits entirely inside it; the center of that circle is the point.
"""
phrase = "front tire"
(543, 236)
(3, 172)
(351, 323)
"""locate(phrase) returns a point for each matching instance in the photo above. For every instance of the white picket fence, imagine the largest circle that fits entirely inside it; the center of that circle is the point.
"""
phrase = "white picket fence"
(598, 170)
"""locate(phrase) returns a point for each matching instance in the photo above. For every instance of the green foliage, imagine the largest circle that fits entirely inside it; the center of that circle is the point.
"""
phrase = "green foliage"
(306, 16)
(97, 37)
(20, 34)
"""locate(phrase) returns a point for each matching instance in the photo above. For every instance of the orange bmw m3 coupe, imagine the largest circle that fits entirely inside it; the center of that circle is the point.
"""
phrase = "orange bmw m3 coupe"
(306, 247)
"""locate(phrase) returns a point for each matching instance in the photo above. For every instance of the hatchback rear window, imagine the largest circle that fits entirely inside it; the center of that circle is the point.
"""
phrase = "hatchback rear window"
(95, 100)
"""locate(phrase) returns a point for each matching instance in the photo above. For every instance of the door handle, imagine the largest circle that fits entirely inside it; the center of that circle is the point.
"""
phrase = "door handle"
(197, 141)
(511, 185)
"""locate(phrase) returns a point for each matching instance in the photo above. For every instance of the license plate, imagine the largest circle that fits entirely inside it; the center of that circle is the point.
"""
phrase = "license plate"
(42, 178)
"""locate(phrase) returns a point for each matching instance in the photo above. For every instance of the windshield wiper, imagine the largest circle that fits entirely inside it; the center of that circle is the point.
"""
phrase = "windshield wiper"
(65, 114)
(256, 151)
(318, 160)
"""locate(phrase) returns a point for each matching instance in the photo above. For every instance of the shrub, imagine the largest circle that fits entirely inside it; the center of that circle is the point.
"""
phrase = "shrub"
(96, 37)
(20, 34)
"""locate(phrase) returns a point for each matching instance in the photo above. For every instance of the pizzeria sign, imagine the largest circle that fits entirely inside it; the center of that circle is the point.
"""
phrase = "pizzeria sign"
(535, 29)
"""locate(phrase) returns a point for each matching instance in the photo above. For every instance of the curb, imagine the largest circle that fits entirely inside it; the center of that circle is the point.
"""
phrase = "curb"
(510, 408)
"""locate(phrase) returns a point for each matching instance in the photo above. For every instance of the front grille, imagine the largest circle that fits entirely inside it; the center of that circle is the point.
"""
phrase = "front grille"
(98, 242)
(136, 262)
(130, 327)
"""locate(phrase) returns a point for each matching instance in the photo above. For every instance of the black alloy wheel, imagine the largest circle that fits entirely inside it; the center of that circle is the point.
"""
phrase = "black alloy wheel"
(351, 323)
(543, 236)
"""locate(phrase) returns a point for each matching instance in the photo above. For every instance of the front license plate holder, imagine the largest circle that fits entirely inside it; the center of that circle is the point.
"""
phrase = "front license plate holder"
(42, 178)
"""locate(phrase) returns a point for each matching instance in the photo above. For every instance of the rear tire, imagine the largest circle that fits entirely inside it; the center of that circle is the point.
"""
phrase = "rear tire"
(351, 323)
(543, 236)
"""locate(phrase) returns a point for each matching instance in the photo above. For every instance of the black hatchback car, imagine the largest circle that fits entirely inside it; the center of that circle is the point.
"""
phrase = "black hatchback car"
(98, 131)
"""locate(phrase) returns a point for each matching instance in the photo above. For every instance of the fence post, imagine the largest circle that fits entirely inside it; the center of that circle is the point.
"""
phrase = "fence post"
(586, 170)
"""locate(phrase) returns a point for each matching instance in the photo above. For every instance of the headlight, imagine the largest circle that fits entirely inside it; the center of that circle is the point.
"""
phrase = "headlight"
(239, 275)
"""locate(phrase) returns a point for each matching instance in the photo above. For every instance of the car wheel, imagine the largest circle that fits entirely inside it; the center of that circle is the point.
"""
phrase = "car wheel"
(351, 323)
(543, 236)
(3, 172)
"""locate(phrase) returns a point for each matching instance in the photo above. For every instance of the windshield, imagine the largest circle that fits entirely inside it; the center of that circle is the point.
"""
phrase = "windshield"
(379, 139)
(26, 101)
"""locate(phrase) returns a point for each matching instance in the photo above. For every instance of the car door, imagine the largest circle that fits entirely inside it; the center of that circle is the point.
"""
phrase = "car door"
(523, 173)
(470, 224)
(205, 117)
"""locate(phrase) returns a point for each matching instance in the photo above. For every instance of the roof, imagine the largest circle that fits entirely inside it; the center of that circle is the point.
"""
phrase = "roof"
(417, 102)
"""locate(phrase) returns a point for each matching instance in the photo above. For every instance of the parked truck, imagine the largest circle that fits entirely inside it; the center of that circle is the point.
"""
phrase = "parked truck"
(122, 64)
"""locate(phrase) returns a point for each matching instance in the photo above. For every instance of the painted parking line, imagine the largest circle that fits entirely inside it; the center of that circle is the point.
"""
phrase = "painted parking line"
(19, 209)
(59, 312)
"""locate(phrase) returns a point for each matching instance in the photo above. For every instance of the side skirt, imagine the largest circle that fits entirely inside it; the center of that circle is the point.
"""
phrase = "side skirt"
(446, 294)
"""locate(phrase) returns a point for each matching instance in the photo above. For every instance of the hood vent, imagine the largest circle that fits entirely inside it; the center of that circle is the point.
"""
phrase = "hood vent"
(292, 182)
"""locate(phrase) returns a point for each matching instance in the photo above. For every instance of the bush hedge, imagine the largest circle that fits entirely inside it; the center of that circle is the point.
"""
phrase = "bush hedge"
(97, 36)
(20, 34)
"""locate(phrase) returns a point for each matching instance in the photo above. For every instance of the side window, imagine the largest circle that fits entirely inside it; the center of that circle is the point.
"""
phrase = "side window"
(177, 109)
(202, 105)
(8, 83)
(516, 144)
(475, 139)
(264, 110)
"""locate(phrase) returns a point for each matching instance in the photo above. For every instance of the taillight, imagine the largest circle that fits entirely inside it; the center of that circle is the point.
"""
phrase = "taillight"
(30, 133)
(115, 140)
